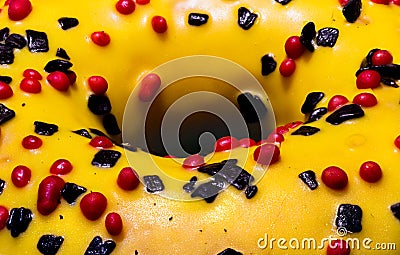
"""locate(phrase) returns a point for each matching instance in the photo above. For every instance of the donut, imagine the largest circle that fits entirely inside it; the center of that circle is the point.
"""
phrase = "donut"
(298, 102)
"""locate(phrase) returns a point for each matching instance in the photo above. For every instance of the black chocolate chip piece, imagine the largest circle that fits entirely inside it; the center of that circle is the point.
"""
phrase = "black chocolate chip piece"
(306, 131)
(352, 10)
(5, 79)
(283, 2)
(209, 190)
(311, 101)
(316, 114)
(308, 177)
(367, 61)
(349, 217)
(6, 114)
(37, 41)
(229, 251)
(189, 187)
(61, 53)
(99, 104)
(214, 168)
(246, 18)
(57, 65)
(268, 64)
(197, 19)
(106, 158)
(389, 82)
(16, 41)
(72, 191)
(67, 23)
(396, 210)
(110, 124)
(346, 112)
(83, 132)
(236, 176)
(153, 183)
(4, 32)
(6, 55)
(327, 36)
(98, 247)
(47, 129)
(308, 34)
(251, 107)
(19, 220)
(251, 191)
(2, 186)
(49, 244)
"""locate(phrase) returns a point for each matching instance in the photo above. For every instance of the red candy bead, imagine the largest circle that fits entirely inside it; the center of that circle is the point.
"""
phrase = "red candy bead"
(365, 99)
(336, 102)
(127, 179)
(193, 161)
(381, 57)
(100, 38)
(334, 178)
(397, 142)
(275, 138)
(32, 73)
(114, 224)
(370, 171)
(293, 47)
(93, 205)
(226, 143)
(287, 67)
(396, 2)
(125, 6)
(282, 130)
(19, 9)
(101, 142)
(98, 84)
(142, 2)
(4, 214)
(266, 154)
(343, 2)
(61, 167)
(149, 86)
(338, 247)
(293, 124)
(31, 142)
(159, 24)
(246, 142)
(30, 85)
(5, 90)
(368, 79)
(20, 176)
(381, 1)
(58, 80)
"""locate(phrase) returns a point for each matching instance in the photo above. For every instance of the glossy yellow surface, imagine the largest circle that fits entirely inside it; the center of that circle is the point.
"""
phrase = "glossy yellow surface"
(284, 207)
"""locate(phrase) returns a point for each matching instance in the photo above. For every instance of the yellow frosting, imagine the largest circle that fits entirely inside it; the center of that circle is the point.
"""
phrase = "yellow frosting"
(284, 207)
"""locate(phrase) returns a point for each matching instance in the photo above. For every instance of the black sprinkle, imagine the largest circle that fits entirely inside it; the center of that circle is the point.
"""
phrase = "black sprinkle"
(6, 114)
(387, 71)
(311, 101)
(42, 128)
(197, 19)
(5, 79)
(49, 244)
(71, 192)
(246, 18)
(99, 104)
(61, 217)
(4, 32)
(327, 36)
(189, 187)
(16, 41)
(61, 53)
(214, 168)
(153, 183)
(251, 191)
(352, 10)
(283, 2)
(83, 132)
(308, 34)
(37, 41)
(346, 112)
(236, 176)
(316, 114)
(98, 247)
(6, 54)
(251, 107)
(268, 64)
(349, 217)
(106, 158)
(389, 82)
(209, 190)
(19, 220)
(67, 23)
(306, 131)
(230, 251)
(308, 177)
(58, 65)
(396, 210)
(110, 124)
(367, 61)
(2, 186)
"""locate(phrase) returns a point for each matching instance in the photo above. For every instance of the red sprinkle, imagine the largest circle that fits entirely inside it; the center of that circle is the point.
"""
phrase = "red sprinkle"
(365, 99)
(294, 124)
(159, 24)
(19, 9)
(149, 86)
(3, 217)
(382, 57)
(98, 84)
(101, 142)
(32, 73)
(93, 205)
(127, 179)
(49, 194)
(114, 224)
(125, 6)
(334, 177)
(293, 47)
(247, 142)
(193, 162)
(338, 247)
(397, 142)
(396, 2)
(5, 90)
(226, 143)
(336, 102)
(31, 142)
(282, 130)
(381, 1)
(368, 79)
(287, 67)
(30, 85)
(266, 154)
(61, 167)
(343, 2)
(142, 2)
(21, 175)
(275, 138)
(58, 80)
(100, 38)
(370, 171)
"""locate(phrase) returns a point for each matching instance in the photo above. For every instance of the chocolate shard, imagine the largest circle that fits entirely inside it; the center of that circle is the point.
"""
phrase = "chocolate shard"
(306, 131)
(49, 244)
(309, 178)
(327, 36)
(251, 191)
(268, 64)
(15, 41)
(283, 2)
(110, 124)
(37, 41)
(346, 112)
(5, 79)
(6, 114)
(349, 217)
(197, 19)
(352, 10)
(61, 53)
(251, 107)
(58, 65)
(307, 36)
(99, 104)
(46, 129)
(6, 54)
(72, 191)
(230, 251)
(67, 23)
(106, 158)
(19, 220)
(209, 190)
(4, 32)
(246, 18)
(153, 183)
(312, 99)
(316, 114)
(2, 186)
(98, 247)
(83, 132)
(395, 208)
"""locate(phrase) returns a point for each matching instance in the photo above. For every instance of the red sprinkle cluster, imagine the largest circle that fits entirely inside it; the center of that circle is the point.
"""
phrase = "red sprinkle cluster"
(294, 49)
